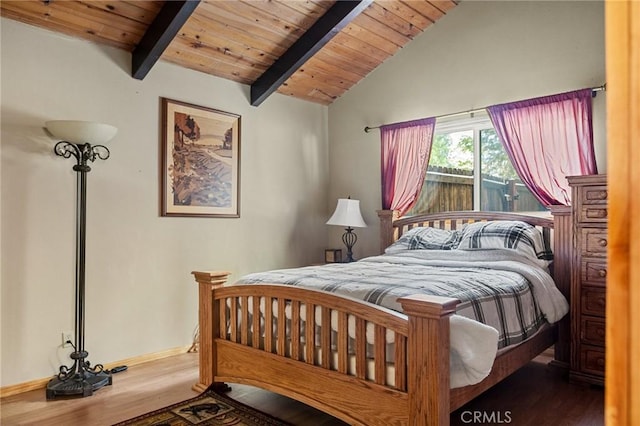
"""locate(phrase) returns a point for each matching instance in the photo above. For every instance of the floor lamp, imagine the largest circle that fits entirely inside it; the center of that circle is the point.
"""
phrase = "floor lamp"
(82, 140)
(348, 214)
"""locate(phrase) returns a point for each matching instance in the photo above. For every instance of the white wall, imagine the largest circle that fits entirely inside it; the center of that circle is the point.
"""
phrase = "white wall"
(141, 297)
(480, 54)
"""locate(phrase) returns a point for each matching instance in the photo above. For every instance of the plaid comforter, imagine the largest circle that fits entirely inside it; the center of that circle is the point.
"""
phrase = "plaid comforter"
(496, 287)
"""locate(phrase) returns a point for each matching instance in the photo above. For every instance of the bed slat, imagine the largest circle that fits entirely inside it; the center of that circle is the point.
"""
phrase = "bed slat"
(295, 330)
(255, 337)
(361, 348)
(309, 331)
(244, 326)
(343, 342)
(233, 326)
(281, 328)
(380, 345)
(222, 317)
(325, 337)
(268, 324)
(400, 362)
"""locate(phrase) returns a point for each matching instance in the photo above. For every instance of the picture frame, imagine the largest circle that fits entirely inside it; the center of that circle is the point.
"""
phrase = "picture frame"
(200, 161)
(333, 256)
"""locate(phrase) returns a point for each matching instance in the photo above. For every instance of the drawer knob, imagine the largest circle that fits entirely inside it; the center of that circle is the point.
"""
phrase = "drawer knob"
(602, 273)
(600, 362)
(602, 242)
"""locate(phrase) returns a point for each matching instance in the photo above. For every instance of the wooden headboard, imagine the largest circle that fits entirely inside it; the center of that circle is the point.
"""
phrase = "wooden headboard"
(456, 220)
(556, 228)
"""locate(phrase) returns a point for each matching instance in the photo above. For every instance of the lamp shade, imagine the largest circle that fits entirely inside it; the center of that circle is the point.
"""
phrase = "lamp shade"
(347, 214)
(81, 132)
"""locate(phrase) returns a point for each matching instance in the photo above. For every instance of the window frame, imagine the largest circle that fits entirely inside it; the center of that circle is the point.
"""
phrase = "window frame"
(476, 122)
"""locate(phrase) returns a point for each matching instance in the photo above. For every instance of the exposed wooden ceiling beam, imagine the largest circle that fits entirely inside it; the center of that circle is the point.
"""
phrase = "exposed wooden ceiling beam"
(323, 30)
(162, 30)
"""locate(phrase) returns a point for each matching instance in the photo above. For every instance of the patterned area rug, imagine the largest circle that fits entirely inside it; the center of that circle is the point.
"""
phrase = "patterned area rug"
(211, 408)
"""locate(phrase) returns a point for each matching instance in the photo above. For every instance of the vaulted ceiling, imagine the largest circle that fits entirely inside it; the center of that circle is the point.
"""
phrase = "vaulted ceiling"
(309, 49)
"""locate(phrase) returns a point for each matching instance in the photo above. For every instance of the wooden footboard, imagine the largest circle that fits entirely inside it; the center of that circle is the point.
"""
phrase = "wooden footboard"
(344, 371)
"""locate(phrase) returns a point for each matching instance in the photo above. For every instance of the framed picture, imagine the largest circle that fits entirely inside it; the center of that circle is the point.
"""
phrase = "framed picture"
(333, 256)
(200, 161)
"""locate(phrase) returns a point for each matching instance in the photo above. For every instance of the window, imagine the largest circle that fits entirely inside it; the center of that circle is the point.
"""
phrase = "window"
(470, 170)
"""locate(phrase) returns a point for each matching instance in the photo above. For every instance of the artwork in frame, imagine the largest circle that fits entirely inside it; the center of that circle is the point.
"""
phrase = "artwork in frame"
(200, 161)
(333, 256)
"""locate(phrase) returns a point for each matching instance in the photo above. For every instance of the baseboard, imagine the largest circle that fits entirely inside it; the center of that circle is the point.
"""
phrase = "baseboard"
(140, 359)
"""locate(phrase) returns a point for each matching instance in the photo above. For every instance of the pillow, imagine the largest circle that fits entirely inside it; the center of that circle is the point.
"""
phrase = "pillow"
(425, 238)
(522, 237)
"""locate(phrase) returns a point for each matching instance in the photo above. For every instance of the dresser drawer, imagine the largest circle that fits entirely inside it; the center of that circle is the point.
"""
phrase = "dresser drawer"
(592, 330)
(592, 359)
(594, 242)
(593, 214)
(593, 301)
(593, 194)
(594, 271)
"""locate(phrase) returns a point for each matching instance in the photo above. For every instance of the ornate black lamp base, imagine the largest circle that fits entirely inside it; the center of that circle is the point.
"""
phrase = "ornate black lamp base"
(349, 239)
(79, 380)
(78, 384)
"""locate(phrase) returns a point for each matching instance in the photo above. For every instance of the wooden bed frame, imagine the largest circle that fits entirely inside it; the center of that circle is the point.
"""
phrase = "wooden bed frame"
(277, 359)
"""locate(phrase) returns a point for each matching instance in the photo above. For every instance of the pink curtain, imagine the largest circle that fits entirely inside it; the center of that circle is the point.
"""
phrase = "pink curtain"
(405, 155)
(548, 139)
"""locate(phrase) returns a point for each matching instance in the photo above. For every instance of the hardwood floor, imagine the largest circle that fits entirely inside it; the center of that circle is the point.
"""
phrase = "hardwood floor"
(535, 395)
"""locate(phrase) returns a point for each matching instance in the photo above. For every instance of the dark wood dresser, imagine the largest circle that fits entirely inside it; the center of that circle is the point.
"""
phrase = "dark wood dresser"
(588, 278)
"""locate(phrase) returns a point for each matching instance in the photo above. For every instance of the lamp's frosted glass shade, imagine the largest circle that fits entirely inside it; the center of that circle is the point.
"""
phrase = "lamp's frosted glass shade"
(81, 132)
(347, 214)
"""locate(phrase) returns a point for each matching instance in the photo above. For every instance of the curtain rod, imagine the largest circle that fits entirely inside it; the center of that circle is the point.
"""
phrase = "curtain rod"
(367, 129)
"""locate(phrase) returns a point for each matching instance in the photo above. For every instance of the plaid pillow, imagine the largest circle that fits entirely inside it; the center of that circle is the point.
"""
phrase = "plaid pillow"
(526, 239)
(426, 238)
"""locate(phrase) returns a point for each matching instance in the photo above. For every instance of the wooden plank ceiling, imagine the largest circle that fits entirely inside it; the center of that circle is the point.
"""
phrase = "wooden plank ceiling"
(241, 40)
